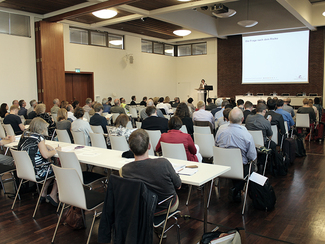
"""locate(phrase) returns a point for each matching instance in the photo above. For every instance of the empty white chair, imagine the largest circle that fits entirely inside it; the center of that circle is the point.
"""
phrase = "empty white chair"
(79, 137)
(129, 125)
(231, 157)
(63, 136)
(2, 131)
(114, 117)
(202, 129)
(97, 129)
(119, 143)
(173, 150)
(138, 124)
(154, 136)
(205, 143)
(86, 116)
(9, 130)
(97, 140)
(302, 121)
(133, 112)
(183, 129)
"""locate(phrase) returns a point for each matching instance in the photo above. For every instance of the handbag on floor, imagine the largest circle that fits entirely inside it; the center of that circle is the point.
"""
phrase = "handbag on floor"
(234, 236)
(73, 218)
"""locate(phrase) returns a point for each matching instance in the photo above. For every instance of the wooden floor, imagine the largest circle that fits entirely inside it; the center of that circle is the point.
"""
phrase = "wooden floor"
(299, 215)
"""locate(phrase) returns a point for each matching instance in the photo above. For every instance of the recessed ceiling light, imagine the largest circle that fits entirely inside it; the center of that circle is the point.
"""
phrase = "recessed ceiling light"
(182, 32)
(105, 13)
(116, 42)
(323, 13)
(184, 0)
(247, 23)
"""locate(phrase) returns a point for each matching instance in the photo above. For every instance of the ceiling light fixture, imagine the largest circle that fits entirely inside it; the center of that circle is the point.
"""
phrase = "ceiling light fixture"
(184, 0)
(116, 42)
(105, 13)
(323, 13)
(247, 23)
(182, 32)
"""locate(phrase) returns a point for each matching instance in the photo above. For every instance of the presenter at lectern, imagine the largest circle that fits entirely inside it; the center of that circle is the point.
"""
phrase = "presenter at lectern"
(202, 87)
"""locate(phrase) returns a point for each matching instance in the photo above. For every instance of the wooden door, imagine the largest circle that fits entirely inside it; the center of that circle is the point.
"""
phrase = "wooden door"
(79, 86)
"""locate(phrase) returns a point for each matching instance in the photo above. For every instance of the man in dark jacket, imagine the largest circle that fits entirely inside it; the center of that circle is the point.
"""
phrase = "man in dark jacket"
(153, 122)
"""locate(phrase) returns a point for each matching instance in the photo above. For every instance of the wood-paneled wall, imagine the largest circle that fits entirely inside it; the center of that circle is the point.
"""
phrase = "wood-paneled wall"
(50, 62)
(230, 69)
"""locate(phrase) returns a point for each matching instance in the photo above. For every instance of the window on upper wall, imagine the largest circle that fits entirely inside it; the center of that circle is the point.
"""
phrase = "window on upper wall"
(184, 50)
(169, 50)
(158, 48)
(192, 49)
(14, 24)
(96, 38)
(146, 46)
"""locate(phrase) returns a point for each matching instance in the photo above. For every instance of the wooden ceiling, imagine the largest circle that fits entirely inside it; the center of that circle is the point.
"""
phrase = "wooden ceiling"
(81, 13)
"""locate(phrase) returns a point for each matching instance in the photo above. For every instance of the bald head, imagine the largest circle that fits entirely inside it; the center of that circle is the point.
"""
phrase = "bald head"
(150, 103)
(117, 101)
(236, 116)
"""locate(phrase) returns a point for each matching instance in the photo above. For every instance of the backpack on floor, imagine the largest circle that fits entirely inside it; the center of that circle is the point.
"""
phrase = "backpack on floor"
(289, 148)
(263, 197)
(300, 147)
(234, 236)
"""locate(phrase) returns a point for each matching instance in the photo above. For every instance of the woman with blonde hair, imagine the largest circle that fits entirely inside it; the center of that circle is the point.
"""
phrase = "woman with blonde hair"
(120, 128)
(33, 142)
(41, 112)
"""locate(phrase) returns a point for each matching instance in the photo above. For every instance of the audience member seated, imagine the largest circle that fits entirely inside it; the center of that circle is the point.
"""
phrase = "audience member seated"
(70, 111)
(155, 100)
(319, 107)
(174, 135)
(88, 107)
(144, 115)
(176, 102)
(133, 99)
(220, 112)
(277, 119)
(153, 122)
(167, 102)
(81, 125)
(190, 106)
(32, 114)
(16, 103)
(210, 105)
(64, 104)
(40, 112)
(22, 111)
(56, 106)
(202, 115)
(240, 104)
(33, 104)
(117, 108)
(224, 120)
(310, 104)
(287, 107)
(14, 120)
(258, 102)
(286, 116)
(120, 128)
(306, 109)
(218, 108)
(162, 105)
(106, 107)
(248, 110)
(6, 160)
(157, 173)
(123, 103)
(75, 104)
(97, 118)
(183, 113)
(144, 101)
(33, 142)
(4, 110)
(236, 136)
(63, 122)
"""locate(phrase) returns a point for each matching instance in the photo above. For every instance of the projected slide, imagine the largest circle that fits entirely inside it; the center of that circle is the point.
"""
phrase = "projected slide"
(276, 58)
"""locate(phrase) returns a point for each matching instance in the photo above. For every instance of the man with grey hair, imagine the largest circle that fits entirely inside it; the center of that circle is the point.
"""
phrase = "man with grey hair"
(202, 114)
(218, 108)
(33, 104)
(235, 135)
(287, 107)
(117, 108)
(144, 115)
(220, 112)
(106, 107)
(56, 106)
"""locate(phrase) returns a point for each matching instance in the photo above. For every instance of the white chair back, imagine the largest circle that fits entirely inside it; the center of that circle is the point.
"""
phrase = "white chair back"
(154, 136)
(302, 120)
(24, 165)
(70, 160)
(151, 151)
(202, 129)
(114, 117)
(63, 136)
(70, 187)
(275, 133)
(9, 130)
(205, 143)
(23, 120)
(133, 112)
(55, 117)
(286, 127)
(119, 143)
(2, 131)
(138, 124)
(87, 116)
(97, 129)
(257, 137)
(139, 108)
(129, 125)
(97, 140)
(173, 150)
(229, 157)
(79, 137)
(183, 129)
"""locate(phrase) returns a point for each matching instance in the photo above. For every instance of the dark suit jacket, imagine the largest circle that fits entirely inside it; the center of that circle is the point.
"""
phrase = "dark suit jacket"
(213, 111)
(277, 119)
(246, 113)
(97, 119)
(155, 123)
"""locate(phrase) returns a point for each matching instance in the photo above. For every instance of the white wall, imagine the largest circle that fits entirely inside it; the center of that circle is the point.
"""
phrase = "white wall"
(194, 68)
(18, 67)
(150, 74)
